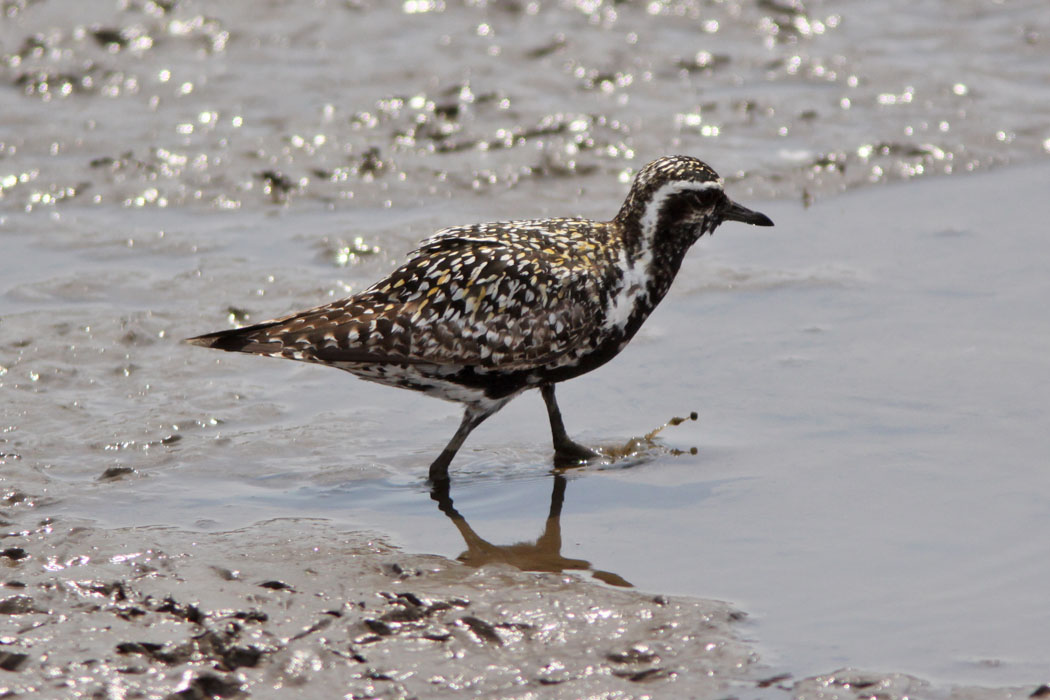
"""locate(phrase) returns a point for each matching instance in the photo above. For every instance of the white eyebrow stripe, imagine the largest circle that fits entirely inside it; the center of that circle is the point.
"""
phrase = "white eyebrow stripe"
(652, 211)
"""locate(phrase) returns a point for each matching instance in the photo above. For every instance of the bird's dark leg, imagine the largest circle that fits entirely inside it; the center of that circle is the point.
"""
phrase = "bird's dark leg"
(564, 447)
(439, 467)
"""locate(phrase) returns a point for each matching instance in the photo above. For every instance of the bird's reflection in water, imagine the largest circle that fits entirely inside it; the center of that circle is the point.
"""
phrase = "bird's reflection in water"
(542, 555)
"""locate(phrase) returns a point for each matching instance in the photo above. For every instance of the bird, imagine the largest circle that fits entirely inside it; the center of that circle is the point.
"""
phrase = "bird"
(479, 314)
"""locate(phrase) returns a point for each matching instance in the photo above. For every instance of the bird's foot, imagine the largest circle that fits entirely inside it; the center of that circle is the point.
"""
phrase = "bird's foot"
(568, 453)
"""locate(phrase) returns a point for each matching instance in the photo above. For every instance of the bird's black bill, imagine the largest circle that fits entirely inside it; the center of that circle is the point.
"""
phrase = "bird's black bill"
(735, 212)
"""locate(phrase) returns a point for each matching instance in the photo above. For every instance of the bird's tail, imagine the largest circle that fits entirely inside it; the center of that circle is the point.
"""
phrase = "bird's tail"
(253, 339)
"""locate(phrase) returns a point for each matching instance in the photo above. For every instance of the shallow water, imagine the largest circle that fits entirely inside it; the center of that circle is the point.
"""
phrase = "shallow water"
(870, 374)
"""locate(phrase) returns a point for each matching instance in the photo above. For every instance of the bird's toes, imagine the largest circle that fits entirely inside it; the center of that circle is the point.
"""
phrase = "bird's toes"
(570, 453)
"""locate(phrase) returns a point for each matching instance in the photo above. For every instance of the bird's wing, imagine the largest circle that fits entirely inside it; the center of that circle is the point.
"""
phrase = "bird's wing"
(465, 298)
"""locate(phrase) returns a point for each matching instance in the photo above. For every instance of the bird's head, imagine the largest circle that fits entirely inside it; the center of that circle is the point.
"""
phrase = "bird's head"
(676, 199)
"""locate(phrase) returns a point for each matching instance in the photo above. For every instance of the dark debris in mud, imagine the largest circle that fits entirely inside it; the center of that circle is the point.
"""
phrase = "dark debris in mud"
(14, 553)
(13, 661)
(115, 473)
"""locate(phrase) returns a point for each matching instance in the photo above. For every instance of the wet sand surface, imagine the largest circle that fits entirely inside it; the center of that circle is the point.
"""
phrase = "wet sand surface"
(867, 486)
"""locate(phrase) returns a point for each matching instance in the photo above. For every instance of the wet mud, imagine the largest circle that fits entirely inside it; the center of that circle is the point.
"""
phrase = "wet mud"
(297, 605)
(180, 525)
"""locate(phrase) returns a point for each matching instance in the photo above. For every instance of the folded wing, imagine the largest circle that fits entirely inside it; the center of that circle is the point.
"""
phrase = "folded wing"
(465, 298)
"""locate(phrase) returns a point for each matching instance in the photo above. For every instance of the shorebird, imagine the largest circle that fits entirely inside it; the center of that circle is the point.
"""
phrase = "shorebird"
(479, 314)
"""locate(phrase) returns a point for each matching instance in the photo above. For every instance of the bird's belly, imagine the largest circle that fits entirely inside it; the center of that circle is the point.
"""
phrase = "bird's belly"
(465, 385)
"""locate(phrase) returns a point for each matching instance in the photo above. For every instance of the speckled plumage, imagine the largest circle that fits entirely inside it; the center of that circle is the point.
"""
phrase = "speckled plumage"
(480, 313)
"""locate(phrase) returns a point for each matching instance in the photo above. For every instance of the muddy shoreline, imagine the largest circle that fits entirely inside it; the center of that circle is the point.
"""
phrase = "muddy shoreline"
(295, 604)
